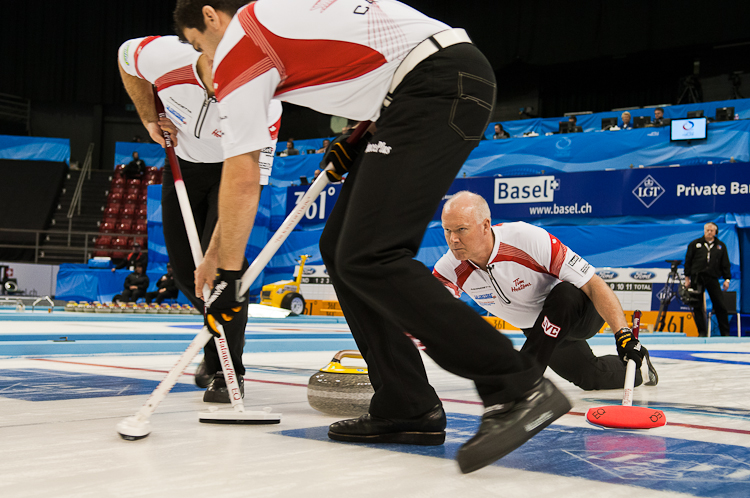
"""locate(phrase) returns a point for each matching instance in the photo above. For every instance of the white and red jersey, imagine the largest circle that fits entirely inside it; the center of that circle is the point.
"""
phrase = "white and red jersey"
(527, 263)
(334, 56)
(171, 65)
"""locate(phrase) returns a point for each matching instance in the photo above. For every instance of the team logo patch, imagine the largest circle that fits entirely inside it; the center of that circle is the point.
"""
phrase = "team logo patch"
(550, 328)
(574, 260)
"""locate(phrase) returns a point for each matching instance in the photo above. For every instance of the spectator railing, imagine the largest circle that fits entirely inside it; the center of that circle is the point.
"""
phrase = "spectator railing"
(87, 247)
(75, 203)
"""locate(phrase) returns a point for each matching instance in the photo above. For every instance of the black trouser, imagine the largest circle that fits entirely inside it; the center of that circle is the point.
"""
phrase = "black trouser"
(572, 319)
(129, 295)
(437, 117)
(160, 296)
(713, 287)
(202, 185)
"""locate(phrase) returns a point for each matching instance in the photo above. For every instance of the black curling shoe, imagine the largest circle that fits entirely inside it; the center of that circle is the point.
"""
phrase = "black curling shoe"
(427, 430)
(217, 392)
(508, 427)
(203, 379)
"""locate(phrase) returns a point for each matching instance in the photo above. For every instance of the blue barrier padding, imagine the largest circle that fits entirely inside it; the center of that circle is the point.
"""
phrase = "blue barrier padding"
(599, 151)
(152, 154)
(593, 122)
(77, 282)
(35, 148)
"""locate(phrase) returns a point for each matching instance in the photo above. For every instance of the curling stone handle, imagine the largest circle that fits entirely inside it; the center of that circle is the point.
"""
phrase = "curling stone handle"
(347, 353)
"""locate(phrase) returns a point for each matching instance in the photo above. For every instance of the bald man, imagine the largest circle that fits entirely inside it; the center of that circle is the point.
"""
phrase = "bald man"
(527, 277)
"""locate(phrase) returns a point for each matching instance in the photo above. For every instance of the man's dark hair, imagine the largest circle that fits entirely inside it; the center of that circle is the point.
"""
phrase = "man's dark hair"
(659, 109)
(189, 13)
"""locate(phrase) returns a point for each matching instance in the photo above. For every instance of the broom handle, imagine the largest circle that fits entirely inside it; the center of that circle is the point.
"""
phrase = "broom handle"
(627, 396)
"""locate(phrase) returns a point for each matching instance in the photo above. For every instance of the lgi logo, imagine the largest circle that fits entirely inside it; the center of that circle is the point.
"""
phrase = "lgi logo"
(648, 191)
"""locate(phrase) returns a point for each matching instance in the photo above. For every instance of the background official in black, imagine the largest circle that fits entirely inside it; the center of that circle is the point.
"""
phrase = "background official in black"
(705, 262)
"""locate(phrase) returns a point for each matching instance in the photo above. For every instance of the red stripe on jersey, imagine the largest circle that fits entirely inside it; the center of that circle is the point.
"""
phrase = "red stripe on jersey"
(462, 272)
(507, 252)
(559, 250)
(138, 49)
(447, 283)
(181, 76)
(300, 63)
(274, 129)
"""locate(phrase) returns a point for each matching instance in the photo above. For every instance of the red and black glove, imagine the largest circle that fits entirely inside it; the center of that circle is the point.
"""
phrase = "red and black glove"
(628, 347)
(225, 302)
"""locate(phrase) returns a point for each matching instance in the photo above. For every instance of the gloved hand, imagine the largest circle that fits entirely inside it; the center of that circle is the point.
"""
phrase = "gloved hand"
(342, 155)
(225, 303)
(628, 347)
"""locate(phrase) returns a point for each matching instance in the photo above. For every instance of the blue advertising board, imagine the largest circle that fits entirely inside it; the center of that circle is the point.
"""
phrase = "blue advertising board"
(721, 188)
(632, 192)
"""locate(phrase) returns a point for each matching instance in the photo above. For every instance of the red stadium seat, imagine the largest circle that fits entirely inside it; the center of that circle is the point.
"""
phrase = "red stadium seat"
(118, 181)
(143, 241)
(125, 226)
(152, 180)
(102, 243)
(119, 168)
(141, 213)
(143, 198)
(117, 189)
(110, 219)
(134, 182)
(127, 212)
(112, 211)
(141, 228)
(114, 198)
(133, 190)
(131, 199)
(123, 244)
(151, 169)
(107, 228)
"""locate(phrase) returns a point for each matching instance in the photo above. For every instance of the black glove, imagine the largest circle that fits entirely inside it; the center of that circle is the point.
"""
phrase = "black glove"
(342, 155)
(628, 347)
(225, 303)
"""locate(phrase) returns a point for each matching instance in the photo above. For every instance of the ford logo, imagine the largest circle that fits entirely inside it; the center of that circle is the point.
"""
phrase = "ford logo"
(308, 271)
(606, 274)
(642, 275)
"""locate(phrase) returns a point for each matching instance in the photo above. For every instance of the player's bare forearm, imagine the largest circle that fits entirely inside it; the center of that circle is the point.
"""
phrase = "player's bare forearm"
(142, 96)
(605, 302)
(238, 203)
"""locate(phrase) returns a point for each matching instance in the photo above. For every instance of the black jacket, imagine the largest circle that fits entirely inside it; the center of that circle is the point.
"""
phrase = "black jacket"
(697, 261)
(167, 282)
(139, 280)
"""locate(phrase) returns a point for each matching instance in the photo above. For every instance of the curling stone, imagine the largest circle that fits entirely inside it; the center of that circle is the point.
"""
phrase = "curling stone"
(341, 390)
(71, 306)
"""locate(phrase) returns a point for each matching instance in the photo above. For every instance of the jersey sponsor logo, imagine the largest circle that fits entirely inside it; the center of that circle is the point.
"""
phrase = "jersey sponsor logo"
(607, 274)
(176, 114)
(485, 296)
(126, 54)
(643, 275)
(519, 285)
(217, 133)
(550, 328)
(575, 259)
(380, 148)
(648, 191)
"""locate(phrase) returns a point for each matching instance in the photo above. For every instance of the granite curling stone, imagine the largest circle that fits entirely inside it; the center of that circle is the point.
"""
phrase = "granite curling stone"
(341, 390)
